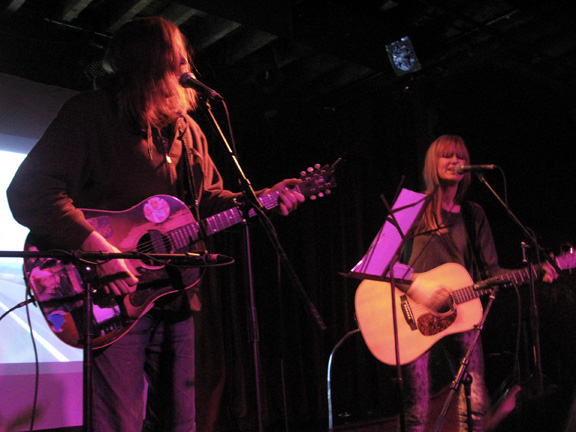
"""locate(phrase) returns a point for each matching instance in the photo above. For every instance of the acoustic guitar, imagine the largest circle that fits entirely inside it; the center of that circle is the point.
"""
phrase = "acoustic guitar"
(419, 327)
(161, 224)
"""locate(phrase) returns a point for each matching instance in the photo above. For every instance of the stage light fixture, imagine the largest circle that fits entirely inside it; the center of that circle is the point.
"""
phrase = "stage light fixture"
(402, 56)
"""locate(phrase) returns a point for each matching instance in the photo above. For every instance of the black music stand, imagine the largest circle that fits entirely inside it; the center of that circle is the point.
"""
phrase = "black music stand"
(382, 260)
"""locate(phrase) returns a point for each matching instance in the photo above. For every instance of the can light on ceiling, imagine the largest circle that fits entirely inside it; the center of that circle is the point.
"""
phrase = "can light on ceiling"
(402, 56)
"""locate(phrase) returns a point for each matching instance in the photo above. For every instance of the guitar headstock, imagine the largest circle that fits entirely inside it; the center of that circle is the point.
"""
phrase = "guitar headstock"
(567, 259)
(318, 181)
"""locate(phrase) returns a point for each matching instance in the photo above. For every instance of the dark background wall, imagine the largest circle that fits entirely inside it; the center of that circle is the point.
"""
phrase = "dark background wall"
(518, 120)
(507, 119)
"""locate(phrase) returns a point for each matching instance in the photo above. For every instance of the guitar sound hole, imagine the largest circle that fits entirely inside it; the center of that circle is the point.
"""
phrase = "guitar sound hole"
(154, 243)
(443, 302)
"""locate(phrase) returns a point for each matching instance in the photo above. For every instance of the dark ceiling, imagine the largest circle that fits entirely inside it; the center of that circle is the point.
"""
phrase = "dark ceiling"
(298, 51)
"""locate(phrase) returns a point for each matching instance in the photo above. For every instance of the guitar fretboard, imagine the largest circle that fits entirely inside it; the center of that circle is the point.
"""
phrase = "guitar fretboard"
(517, 277)
(190, 233)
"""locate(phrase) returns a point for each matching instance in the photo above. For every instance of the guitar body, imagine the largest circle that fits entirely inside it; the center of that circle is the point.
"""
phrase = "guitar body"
(419, 328)
(160, 224)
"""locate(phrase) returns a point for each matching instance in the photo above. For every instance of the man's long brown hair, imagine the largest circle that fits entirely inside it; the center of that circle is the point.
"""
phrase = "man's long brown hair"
(147, 57)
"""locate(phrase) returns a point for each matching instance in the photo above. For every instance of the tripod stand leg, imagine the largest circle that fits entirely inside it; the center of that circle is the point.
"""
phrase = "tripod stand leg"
(467, 381)
(88, 360)
(462, 372)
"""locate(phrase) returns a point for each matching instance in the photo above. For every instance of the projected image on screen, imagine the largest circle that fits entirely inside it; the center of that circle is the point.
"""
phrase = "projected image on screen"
(14, 328)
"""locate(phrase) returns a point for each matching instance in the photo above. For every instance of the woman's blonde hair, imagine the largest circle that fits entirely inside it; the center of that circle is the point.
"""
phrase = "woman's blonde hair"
(147, 56)
(444, 145)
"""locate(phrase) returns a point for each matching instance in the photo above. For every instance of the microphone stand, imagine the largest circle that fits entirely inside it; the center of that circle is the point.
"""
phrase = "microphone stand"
(535, 323)
(462, 376)
(89, 275)
(81, 259)
(250, 203)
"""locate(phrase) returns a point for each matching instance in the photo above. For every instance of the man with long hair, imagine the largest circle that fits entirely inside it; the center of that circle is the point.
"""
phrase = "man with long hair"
(110, 149)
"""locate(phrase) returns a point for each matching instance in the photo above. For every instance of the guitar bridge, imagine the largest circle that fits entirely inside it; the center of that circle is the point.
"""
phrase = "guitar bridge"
(407, 312)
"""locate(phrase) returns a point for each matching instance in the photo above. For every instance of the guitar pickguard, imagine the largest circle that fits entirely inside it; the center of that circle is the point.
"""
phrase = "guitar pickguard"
(430, 324)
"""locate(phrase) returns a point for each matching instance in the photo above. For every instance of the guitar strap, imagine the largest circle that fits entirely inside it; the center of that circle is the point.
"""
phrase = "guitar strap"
(469, 222)
(189, 186)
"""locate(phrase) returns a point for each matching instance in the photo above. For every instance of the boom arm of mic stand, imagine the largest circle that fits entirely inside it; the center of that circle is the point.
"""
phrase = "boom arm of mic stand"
(526, 232)
(188, 258)
(245, 183)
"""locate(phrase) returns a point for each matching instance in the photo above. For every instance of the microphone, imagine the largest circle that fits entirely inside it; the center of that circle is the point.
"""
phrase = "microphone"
(189, 80)
(461, 169)
(206, 259)
(218, 259)
(488, 283)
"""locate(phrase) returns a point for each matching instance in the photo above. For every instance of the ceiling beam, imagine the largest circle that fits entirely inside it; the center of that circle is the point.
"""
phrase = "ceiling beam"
(207, 31)
(272, 16)
(14, 5)
(179, 13)
(127, 11)
(324, 25)
(242, 45)
(73, 8)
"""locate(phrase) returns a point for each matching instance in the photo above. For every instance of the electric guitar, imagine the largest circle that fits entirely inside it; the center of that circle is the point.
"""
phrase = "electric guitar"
(161, 224)
(419, 327)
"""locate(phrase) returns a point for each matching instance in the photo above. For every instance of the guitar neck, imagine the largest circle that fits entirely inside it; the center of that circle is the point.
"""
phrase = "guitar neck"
(517, 277)
(234, 216)
(315, 183)
(191, 233)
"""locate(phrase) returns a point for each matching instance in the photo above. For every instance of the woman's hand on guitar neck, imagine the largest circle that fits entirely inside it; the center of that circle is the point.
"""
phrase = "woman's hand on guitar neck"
(117, 276)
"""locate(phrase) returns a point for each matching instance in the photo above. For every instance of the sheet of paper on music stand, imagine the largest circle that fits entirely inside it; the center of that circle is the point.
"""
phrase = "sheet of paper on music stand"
(385, 245)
